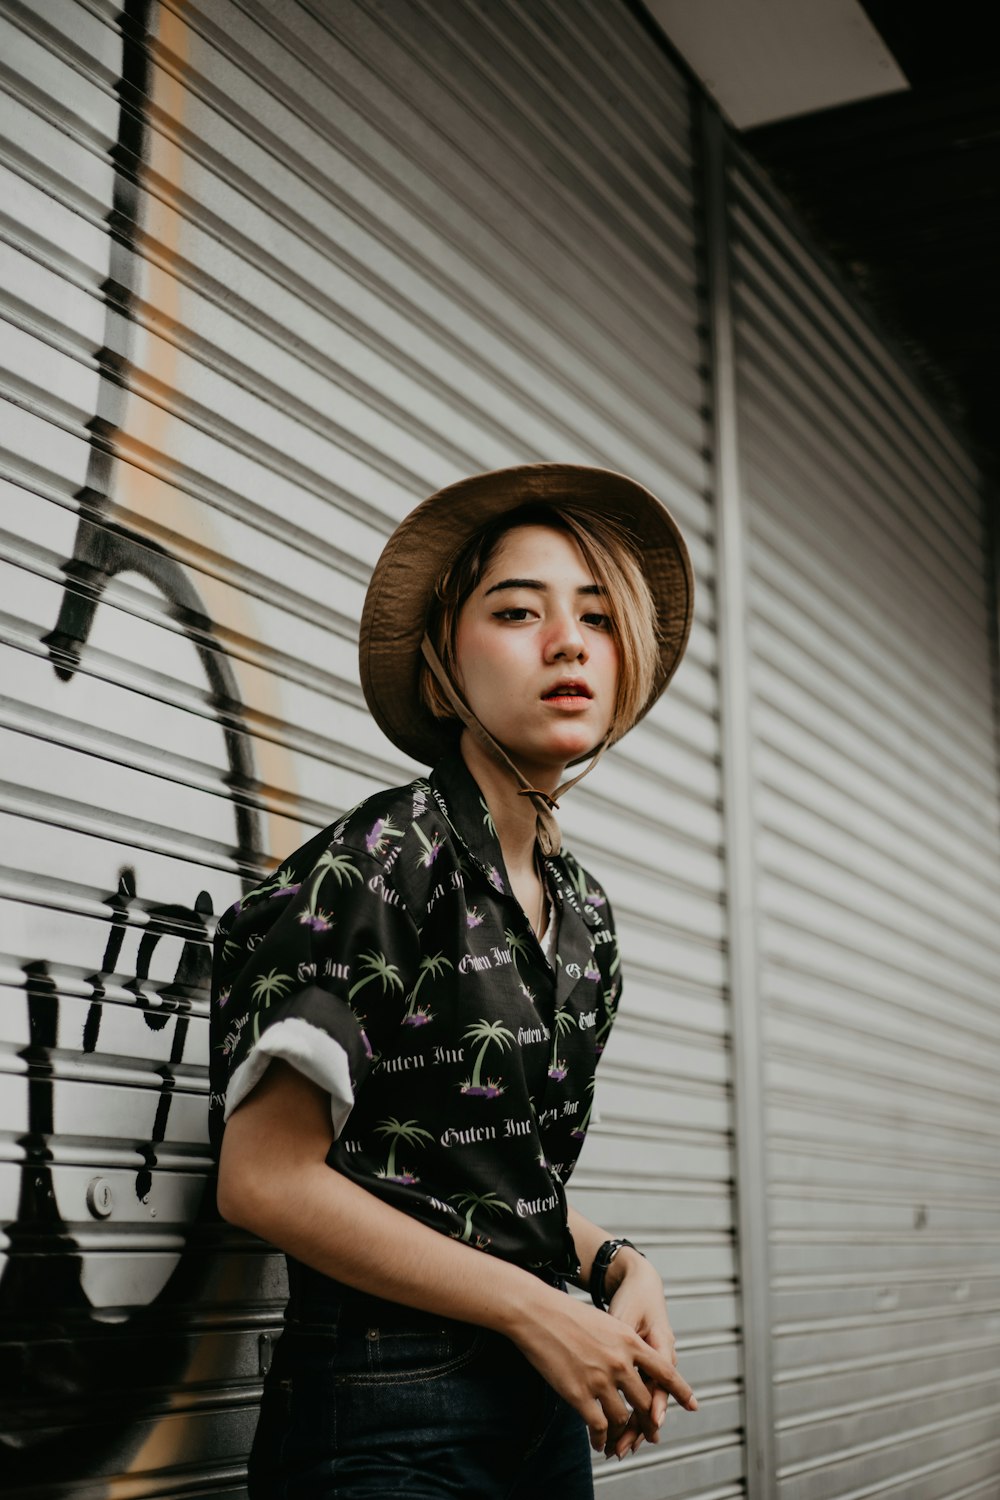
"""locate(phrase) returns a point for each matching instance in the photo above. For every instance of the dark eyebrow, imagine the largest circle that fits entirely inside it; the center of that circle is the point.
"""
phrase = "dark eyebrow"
(535, 583)
(517, 583)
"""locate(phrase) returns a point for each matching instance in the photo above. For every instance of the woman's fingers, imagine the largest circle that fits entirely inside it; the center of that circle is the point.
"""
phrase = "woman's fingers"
(645, 1420)
(665, 1373)
(626, 1421)
(660, 1399)
(628, 1438)
(623, 1439)
(637, 1414)
(606, 1370)
(615, 1415)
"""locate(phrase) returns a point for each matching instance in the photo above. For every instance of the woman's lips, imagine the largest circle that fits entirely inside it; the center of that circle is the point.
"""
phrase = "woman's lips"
(569, 695)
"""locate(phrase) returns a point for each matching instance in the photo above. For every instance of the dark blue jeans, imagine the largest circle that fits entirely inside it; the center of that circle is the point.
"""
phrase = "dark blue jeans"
(366, 1398)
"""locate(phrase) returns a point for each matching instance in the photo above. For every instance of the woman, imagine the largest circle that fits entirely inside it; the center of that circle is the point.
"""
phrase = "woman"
(407, 1018)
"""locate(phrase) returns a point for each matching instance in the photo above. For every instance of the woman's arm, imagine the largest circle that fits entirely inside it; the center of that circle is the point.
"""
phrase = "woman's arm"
(636, 1297)
(275, 1182)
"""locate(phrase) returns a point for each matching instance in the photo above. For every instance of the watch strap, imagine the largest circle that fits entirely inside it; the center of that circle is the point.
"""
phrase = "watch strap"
(599, 1270)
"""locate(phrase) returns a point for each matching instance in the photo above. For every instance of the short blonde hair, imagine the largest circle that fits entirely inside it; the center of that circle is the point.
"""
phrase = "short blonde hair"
(611, 558)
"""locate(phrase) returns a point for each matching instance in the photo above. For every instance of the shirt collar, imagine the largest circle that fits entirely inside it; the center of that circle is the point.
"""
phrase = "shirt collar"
(457, 793)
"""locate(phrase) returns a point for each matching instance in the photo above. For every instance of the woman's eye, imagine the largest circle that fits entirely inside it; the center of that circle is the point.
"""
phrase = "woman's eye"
(511, 614)
(602, 622)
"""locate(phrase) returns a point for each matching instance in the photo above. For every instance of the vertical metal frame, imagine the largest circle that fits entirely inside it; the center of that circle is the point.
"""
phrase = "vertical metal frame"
(738, 813)
(991, 505)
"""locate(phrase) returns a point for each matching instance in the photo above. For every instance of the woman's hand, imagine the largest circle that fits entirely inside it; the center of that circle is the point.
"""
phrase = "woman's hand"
(274, 1181)
(638, 1301)
(594, 1359)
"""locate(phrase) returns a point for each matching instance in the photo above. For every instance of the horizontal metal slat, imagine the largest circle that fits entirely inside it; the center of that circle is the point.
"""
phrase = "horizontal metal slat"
(916, 714)
(845, 322)
(806, 405)
(886, 575)
(797, 726)
(905, 1021)
(879, 627)
(437, 274)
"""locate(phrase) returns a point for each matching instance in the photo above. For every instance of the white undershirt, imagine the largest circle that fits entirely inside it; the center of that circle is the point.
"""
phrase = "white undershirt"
(548, 937)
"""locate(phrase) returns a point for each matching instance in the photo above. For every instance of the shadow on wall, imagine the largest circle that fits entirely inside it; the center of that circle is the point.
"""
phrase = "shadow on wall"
(90, 1343)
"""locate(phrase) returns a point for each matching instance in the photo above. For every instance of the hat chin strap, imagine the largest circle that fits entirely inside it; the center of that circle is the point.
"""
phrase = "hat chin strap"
(546, 827)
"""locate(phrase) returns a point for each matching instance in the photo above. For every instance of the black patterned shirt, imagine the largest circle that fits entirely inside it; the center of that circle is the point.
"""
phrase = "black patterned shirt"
(388, 961)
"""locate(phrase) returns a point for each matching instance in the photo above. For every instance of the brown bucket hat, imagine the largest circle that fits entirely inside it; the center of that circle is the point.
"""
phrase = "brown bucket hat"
(429, 538)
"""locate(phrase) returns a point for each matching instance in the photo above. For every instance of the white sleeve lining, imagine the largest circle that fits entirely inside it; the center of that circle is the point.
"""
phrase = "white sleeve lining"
(311, 1050)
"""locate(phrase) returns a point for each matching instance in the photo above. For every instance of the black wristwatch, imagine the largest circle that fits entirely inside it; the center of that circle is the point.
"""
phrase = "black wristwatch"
(599, 1270)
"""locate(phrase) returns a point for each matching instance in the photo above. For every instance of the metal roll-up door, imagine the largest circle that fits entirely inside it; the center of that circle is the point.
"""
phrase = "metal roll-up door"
(878, 853)
(272, 272)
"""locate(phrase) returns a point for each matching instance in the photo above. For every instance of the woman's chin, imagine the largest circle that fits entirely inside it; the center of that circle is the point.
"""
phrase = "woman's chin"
(570, 742)
(552, 750)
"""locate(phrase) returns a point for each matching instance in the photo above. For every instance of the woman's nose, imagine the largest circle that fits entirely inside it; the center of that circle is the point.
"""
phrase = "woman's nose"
(566, 640)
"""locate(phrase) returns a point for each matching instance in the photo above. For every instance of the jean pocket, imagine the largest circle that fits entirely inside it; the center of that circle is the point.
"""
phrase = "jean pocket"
(412, 1347)
(396, 1354)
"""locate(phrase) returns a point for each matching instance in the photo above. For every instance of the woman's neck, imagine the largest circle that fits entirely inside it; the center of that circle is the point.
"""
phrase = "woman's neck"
(513, 815)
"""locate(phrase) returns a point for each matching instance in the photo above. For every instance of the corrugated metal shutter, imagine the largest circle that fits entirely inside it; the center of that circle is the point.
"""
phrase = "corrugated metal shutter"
(879, 856)
(299, 266)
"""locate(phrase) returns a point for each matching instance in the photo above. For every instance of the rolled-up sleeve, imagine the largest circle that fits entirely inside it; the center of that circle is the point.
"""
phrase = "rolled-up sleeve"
(311, 967)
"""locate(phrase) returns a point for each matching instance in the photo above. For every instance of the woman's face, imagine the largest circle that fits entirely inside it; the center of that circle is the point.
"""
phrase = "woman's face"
(537, 662)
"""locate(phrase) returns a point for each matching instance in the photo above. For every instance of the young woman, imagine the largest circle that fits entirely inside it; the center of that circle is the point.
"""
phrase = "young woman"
(407, 1018)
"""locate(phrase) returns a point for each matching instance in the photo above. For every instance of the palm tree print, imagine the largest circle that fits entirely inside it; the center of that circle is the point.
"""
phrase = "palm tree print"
(320, 921)
(471, 1203)
(361, 1018)
(341, 866)
(579, 883)
(281, 884)
(378, 836)
(562, 1022)
(579, 1131)
(517, 942)
(278, 884)
(420, 1015)
(408, 1131)
(604, 1030)
(268, 987)
(577, 879)
(378, 967)
(488, 818)
(489, 1033)
(432, 848)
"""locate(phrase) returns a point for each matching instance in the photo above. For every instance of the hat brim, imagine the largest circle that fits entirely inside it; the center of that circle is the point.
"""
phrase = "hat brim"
(430, 537)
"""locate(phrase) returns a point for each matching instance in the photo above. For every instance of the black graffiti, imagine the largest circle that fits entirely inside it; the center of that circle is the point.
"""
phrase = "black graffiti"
(161, 1003)
(65, 1373)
